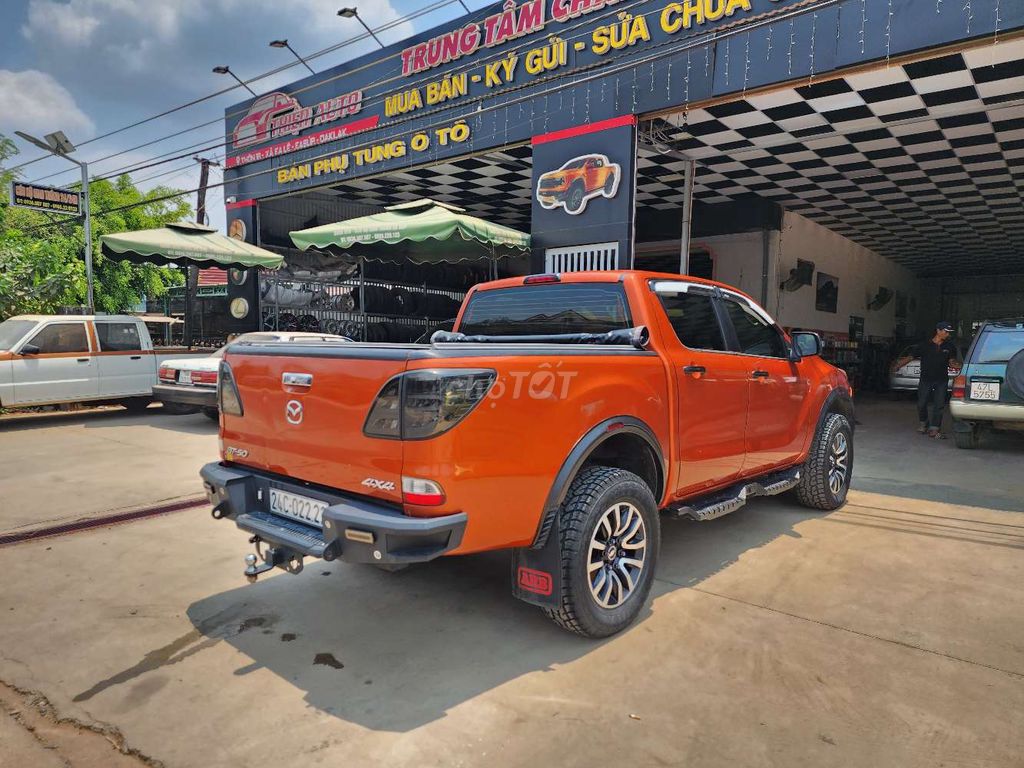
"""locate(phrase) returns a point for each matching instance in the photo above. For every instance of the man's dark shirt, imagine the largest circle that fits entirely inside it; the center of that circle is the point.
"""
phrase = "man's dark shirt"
(935, 359)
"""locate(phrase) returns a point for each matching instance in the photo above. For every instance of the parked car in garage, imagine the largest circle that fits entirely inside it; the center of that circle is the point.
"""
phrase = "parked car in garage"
(989, 392)
(57, 359)
(189, 384)
(906, 377)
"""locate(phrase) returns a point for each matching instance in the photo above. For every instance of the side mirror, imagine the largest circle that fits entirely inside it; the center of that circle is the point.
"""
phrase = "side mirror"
(806, 344)
(29, 349)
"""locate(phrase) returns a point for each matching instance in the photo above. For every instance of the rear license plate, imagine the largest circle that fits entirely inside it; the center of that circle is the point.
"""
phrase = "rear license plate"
(913, 370)
(301, 508)
(984, 390)
(185, 377)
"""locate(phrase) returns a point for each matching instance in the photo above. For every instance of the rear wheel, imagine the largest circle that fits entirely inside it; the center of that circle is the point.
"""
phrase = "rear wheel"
(609, 541)
(137, 404)
(825, 477)
(966, 435)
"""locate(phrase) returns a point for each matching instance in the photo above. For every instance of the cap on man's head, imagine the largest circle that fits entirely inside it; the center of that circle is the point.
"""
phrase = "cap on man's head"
(944, 325)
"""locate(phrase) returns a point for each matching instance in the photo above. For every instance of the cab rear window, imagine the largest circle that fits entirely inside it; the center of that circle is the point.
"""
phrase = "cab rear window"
(547, 309)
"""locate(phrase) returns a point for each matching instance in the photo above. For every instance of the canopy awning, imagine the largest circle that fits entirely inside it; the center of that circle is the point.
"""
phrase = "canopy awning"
(425, 231)
(186, 241)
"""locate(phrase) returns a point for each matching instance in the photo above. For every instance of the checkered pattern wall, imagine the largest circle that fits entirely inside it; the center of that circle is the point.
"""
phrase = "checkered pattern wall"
(495, 186)
(923, 163)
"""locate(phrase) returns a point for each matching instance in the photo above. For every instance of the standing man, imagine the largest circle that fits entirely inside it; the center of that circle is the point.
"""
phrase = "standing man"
(937, 356)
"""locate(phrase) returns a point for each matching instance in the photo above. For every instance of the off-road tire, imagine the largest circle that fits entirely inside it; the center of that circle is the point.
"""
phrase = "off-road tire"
(814, 490)
(591, 494)
(967, 439)
(609, 186)
(575, 189)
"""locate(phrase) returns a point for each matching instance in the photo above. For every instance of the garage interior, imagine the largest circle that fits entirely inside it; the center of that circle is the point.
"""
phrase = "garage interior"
(864, 207)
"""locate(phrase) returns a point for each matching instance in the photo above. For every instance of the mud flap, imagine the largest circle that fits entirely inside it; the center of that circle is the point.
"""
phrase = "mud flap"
(537, 573)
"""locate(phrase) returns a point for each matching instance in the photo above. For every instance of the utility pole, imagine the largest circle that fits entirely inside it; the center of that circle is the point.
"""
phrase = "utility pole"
(191, 270)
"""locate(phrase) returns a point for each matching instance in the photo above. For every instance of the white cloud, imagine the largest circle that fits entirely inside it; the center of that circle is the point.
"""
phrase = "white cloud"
(36, 103)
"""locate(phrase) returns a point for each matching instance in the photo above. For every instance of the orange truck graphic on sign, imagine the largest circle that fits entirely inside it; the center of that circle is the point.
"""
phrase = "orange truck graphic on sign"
(577, 182)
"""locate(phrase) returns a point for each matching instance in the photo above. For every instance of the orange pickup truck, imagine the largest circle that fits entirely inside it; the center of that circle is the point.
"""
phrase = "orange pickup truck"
(562, 415)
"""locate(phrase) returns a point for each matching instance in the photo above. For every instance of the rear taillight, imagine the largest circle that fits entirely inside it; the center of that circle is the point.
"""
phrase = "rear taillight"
(424, 493)
(422, 404)
(166, 374)
(960, 387)
(227, 392)
(204, 377)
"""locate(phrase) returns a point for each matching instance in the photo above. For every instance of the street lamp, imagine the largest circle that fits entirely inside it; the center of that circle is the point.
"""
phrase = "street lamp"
(349, 13)
(227, 71)
(58, 145)
(284, 44)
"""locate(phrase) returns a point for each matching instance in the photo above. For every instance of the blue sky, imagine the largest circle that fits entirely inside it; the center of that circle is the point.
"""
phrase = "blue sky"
(90, 66)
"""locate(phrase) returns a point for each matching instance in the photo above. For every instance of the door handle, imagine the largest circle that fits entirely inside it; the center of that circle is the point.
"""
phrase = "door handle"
(135, 357)
(694, 369)
(760, 375)
(83, 359)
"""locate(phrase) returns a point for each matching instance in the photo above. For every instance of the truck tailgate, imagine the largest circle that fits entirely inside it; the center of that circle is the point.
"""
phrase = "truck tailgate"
(315, 433)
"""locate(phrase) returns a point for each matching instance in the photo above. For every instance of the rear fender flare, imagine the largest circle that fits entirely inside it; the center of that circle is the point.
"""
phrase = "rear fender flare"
(582, 451)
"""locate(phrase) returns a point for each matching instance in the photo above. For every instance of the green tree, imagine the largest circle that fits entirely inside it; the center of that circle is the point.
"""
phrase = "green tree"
(41, 254)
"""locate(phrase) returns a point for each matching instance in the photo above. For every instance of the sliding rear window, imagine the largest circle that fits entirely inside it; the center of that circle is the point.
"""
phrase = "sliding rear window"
(547, 309)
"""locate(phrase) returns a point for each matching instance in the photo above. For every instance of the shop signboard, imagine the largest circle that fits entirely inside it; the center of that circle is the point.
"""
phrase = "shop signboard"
(48, 199)
(583, 186)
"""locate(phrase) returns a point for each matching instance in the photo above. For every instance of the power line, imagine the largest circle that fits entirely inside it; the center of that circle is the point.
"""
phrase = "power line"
(277, 70)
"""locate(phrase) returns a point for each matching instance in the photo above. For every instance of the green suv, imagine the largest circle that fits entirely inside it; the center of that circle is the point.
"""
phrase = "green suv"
(989, 392)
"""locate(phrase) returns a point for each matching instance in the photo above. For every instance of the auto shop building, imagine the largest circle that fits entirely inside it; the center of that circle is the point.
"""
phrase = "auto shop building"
(857, 165)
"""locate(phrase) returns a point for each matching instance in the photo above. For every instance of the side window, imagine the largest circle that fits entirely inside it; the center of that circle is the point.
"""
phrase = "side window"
(61, 337)
(118, 337)
(693, 318)
(756, 337)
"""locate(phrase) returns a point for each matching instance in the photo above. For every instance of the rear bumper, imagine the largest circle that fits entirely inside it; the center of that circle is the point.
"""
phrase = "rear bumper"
(356, 529)
(172, 393)
(976, 410)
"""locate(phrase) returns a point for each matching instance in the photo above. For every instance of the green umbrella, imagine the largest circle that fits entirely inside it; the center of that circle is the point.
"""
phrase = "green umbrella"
(422, 231)
(187, 241)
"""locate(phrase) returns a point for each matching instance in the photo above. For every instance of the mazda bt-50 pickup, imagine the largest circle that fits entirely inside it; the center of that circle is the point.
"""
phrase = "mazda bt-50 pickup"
(561, 419)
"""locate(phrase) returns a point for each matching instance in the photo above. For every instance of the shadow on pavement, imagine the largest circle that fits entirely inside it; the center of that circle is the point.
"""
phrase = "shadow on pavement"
(393, 651)
(99, 418)
(893, 459)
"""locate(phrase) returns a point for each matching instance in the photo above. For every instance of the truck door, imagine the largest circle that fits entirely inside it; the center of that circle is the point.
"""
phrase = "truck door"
(125, 366)
(712, 386)
(776, 419)
(63, 369)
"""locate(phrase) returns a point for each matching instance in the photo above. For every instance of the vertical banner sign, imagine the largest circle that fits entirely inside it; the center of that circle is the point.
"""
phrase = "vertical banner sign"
(584, 184)
(49, 199)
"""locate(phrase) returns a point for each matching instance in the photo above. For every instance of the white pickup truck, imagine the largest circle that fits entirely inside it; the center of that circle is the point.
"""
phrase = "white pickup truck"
(49, 359)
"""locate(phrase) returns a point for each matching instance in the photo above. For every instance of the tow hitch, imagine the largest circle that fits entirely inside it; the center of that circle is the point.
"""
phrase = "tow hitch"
(273, 557)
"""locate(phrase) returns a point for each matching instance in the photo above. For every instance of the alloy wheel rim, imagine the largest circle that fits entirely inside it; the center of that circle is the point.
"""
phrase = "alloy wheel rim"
(617, 555)
(838, 463)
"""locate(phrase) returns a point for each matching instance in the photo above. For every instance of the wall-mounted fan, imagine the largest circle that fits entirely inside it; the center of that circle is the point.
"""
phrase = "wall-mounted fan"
(799, 276)
(883, 297)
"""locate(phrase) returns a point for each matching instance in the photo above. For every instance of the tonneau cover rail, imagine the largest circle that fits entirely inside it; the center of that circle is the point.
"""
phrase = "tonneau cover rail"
(636, 337)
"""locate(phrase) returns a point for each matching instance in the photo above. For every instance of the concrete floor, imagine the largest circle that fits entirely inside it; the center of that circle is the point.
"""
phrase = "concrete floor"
(58, 467)
(886, 634)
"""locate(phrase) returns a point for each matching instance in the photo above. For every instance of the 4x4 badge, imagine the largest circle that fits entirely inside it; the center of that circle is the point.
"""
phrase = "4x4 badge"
(293, 412)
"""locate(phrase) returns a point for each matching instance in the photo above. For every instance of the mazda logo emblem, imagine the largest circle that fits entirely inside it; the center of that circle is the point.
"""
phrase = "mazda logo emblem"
(293, 412)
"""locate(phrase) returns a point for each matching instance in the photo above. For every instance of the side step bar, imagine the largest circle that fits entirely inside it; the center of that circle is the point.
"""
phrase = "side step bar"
(731, 499)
